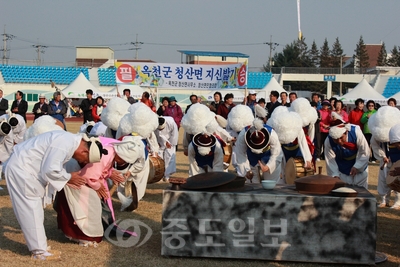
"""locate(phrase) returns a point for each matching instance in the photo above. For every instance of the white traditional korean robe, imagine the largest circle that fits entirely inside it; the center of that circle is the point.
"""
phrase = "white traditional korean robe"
(218, 160)
(274, 162)
(169, 134)
(361, 163)
(34, 165)
(6, 148)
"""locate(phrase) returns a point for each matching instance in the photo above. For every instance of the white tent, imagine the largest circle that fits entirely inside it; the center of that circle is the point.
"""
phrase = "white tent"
(238, 95)
(365, 91)
(272, 85)
(397, 97)
(77, 89)
(136, 91)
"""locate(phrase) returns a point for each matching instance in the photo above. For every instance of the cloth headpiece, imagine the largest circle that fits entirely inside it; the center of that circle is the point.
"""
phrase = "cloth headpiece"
(337, 131)
(12, 120)
(5, 127)
(128, 148)
(95, 148)
(221, 121)
(161, 123)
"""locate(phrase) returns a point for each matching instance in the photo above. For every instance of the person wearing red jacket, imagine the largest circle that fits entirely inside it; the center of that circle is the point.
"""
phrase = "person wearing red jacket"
(356, 114)
(98, 109)
(324, 124)
(147, 101)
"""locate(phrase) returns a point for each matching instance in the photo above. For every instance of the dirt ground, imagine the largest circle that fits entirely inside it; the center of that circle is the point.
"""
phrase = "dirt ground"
(13, 251)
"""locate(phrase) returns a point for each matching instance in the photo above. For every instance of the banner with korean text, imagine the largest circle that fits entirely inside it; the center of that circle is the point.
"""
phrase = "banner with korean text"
(182, 76)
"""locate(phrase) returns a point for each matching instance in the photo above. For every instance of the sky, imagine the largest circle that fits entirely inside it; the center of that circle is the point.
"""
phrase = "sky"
(166, 26)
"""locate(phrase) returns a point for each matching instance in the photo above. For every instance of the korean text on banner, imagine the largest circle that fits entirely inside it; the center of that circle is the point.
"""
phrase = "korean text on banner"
(182, 76)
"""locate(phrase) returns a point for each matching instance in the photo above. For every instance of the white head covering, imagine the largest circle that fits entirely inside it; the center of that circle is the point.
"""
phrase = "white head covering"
(3, 123)
(381, 121)
(337, 131)
(43, 124)
(221, 121)
(394, 134)
(99, 129)
(83, 127)
(199, 119)
(287, 124)
(239, 117)
(94, 150)
(260, 111)
(140, 119)
(303, 107)
(113, 113)
(129, 149)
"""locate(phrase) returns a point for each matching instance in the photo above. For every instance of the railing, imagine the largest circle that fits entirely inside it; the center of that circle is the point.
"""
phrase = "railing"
(289, 70)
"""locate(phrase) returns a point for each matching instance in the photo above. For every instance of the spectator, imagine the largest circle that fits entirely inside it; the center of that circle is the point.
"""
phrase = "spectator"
(3, 103)
(57, 108)
(19, 106)
(261, 102)
(217, 101)
(273, 104)
(357, 112)
(339, 110)
(147, 101)
(174, 110)
(250, 100)
(392, 102)
(284, 97)
(292, 97)
(193, 100)
(40, 108)
(164, 105)
(317, 134)
(332, 100)
(325, 122)
(315, 98)
(226, 107)
(364, 120)
(98, 109)
(87, 106)
(127, 96)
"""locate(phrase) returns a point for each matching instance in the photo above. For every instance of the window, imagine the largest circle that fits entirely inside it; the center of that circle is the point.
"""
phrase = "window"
(32, 97)
(223, 58)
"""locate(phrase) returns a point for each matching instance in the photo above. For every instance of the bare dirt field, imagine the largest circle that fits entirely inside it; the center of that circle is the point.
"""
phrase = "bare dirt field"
(13, 251)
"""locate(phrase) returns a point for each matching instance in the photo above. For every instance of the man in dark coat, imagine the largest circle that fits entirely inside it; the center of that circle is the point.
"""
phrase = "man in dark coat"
(87, 105)
(3, 103)
(19, 106)
(40, 108)
(273, 104)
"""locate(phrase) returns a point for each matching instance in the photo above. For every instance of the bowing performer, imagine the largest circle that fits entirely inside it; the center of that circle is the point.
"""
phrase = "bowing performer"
(6, 143)
(288, 126)
(204, 151)
(112, 115)
(347, 154)
(139, 124)
(36, 167)
(394, 139)
(18, 126)
(258, 153)
(380, 124)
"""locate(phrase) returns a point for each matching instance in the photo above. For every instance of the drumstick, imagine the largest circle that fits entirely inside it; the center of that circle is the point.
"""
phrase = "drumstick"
(383, 166)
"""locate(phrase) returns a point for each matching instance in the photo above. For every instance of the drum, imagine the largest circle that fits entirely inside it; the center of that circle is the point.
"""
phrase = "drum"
(295, 169)
(157, 169)
(227, 153)
(393, 178)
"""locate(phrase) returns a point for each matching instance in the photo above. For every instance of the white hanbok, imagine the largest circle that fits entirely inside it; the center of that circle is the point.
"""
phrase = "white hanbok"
(274, 162)
(218, 160)
(361, 164)
(6, 148)
(19, 130)
(169, 134)
(36, 164)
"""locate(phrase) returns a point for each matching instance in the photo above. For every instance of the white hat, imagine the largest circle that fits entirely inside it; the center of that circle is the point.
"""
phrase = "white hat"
(5, 127)
(161, 123)
(394, 134)
(129, 149)
(260, 111)
(337, 131)
(95, 149)
(252, 92)
(381, 121)
(221, 121)
(42, 96)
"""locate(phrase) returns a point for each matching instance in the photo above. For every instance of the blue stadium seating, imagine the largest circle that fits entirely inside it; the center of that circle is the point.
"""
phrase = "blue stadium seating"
(41, 74)
(258, 80)
(392, 86)
(106, 76)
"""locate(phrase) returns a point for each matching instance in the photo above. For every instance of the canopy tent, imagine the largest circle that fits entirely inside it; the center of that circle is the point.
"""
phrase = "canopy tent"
(136, 91)
(77, 89)
(365, 91)
(238, 95)
(272, 85)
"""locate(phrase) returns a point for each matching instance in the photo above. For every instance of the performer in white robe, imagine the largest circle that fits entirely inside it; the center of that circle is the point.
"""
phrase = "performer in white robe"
(138, 124)
(112, 115)
(6, 143)
(380, 124)
(394, 140)
(288, 126)
(347, 154)
(43, 124)
(18, 125)
(204, 151)
(36, 166)
(258, 152)
(167, 136)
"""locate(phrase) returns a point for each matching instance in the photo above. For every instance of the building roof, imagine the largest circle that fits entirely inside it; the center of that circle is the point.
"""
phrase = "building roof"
(213, 54)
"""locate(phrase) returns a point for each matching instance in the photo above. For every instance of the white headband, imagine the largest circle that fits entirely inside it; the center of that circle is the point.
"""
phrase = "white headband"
(94, 151)
(337, 131)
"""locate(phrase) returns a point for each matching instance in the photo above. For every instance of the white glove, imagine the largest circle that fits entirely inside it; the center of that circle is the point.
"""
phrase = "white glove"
(58, 111)
(38, 110)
